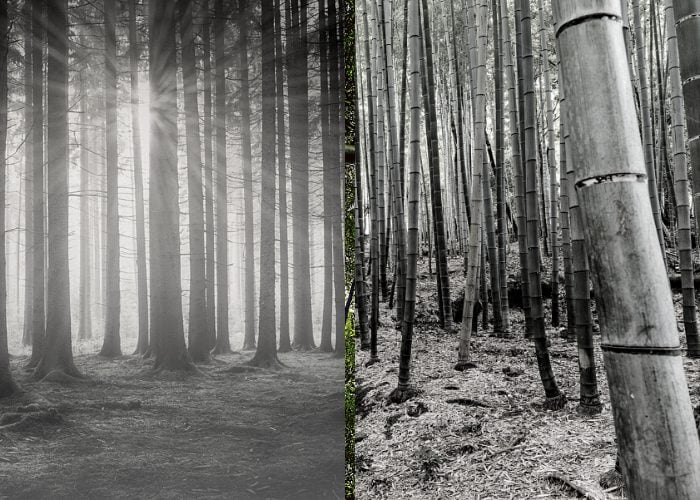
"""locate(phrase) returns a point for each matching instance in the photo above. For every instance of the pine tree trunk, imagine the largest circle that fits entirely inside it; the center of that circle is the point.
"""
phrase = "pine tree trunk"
(57, 355)
(337, 127)
(111, 347)
(28, 177)
(7, 384)
(247, 163)
(167, 332)
(38, 328)
(141, 269)
(298, 78)
(198, 332)
(210, 230)
(85, 324)
(329, 164)
(223, 345)
(266, 353)
(285, 344)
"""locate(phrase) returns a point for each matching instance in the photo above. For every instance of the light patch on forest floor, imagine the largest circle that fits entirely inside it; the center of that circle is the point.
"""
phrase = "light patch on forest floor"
(262, 434)
(482, 433)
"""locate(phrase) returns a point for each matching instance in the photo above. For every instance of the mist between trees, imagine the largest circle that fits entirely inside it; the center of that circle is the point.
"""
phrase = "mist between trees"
(220, 147)
(510, 154)
(173, 185)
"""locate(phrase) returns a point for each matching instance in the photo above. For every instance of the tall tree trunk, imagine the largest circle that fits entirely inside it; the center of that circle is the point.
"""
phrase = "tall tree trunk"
(627, 265)
(502, 225)
(328, 164)
(7, 384)
(680, 169)
(28, 177)
(167, 332)
(380, 149)
(247, 164)
(589, 400)
(285, 344)
(360, 283)
(198, 332)
(297, 74)
(402, 391)
(210, 270)
(513, 136)
(686, 15)
(85, 324)
(555, 399)
(38, 328)
(361, 148)
(646, 124)
(141, 270)
(336, 108)
(111, 346)
(492, 248)
(475, 230)
(395, 160)
(223, 344)
(565, 181)
(266, 353)
(445, 305)
(57, 355)
(552, 164)
(519, 178)
(374, 240)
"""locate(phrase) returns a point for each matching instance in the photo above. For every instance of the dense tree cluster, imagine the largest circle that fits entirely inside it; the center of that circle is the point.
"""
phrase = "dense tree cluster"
(167, 148)
(560, 128)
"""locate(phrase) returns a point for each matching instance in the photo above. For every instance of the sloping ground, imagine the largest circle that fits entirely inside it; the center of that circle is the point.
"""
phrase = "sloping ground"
(125, 434)
(481, 433)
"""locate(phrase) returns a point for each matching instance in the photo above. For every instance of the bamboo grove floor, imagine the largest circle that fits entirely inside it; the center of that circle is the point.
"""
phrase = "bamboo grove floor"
(482, 433)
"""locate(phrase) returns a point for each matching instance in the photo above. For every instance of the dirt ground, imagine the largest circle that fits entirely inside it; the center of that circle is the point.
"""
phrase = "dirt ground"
(125, 434)
(482, 433)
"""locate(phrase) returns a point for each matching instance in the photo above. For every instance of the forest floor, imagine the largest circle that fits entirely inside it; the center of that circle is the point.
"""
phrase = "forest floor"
(481, 433)
(123, 433)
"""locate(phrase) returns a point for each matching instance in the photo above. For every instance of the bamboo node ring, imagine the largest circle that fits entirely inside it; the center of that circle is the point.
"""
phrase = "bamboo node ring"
(616, 177)
(647, 350)
(586, 18)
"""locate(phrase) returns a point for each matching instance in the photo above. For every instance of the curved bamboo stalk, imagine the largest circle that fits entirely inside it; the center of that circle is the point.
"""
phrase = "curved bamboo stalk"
(639, 336)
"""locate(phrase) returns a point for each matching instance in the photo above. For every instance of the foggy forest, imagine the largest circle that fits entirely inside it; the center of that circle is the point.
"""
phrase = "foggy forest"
(172, 279)
(526, 182)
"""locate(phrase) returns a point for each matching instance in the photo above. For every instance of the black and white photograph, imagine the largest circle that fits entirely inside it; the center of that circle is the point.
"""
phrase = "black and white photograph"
(172, 262)
(527, 186)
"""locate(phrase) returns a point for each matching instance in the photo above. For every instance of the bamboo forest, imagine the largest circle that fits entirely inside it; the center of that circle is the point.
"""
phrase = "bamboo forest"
(172, 282)
(527, 185)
